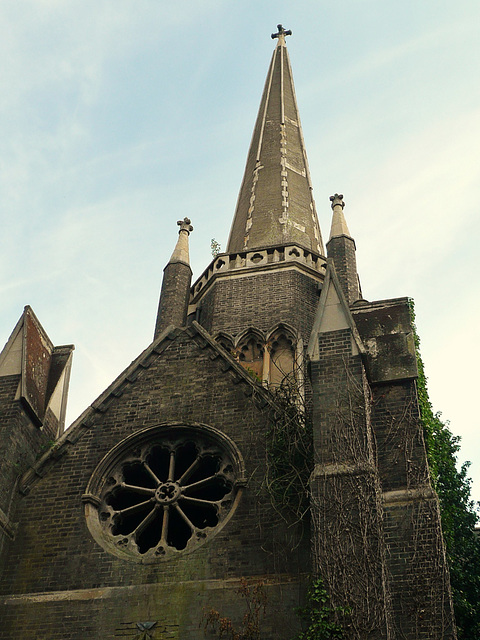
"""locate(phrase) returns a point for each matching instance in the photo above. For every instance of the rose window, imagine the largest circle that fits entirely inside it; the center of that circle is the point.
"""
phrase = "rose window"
(167, 492)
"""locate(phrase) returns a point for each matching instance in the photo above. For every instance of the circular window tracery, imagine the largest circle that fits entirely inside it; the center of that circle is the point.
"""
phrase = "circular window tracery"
(163, 490)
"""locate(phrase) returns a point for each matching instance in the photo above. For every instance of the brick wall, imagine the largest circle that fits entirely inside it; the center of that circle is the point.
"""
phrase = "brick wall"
(342, 250)
(419, 583)
(346, 497)
(261, 300)
(20, 443)
(402, 460)
(54, 553)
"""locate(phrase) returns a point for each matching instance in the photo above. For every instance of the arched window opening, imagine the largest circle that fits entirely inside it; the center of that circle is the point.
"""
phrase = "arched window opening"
(225, 341)
(282, 360)
(250, 355)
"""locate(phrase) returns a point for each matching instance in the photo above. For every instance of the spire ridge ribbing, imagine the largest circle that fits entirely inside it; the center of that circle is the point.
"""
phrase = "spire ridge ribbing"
(275, 205)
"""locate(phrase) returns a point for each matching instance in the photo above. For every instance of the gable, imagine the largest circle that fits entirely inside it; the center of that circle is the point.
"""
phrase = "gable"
(180, 375)
(183, 381)
(333, 314)
(44, 371)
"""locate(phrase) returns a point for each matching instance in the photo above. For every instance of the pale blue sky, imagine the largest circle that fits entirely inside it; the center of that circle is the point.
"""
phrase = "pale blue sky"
(118, 117)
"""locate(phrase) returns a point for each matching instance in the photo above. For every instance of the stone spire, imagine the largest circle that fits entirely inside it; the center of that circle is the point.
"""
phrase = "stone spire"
(275, 204)
(177, 277)
(341, 248)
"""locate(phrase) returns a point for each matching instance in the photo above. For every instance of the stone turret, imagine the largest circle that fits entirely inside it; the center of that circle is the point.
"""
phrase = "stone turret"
(341, 248)
(177, 277)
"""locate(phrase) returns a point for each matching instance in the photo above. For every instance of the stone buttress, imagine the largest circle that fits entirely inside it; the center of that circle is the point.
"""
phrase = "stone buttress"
(377, 542)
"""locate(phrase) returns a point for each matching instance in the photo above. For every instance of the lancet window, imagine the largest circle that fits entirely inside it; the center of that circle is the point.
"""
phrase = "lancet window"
(249, 352)
(273, 358)
(282, 359)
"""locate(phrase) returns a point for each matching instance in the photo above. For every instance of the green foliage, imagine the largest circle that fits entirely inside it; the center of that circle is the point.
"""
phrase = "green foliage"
(458, 511)
(215, 247)
(289, 452)
(320, 619)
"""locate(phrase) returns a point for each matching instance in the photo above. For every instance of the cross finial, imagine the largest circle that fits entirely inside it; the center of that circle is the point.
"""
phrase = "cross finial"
(281, 32)
(337, 199)
(185, 225)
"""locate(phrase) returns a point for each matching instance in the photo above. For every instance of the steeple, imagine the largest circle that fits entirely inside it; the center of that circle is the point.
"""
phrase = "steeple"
(177, 277)
(275, 204)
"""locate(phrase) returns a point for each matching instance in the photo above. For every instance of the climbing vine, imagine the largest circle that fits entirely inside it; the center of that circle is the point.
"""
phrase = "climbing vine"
(458, 511)
(348, 541)
(289, 460)
(320, 619)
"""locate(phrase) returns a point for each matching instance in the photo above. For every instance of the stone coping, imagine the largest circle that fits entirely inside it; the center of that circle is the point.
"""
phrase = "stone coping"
(255, 259)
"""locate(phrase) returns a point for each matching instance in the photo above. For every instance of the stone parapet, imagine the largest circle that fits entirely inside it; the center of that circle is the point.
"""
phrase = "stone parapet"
(248, 262)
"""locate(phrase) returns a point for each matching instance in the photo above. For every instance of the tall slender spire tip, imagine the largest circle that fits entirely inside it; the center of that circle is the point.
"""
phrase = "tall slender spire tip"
(339, 224)
(180, 253)
(275, 205)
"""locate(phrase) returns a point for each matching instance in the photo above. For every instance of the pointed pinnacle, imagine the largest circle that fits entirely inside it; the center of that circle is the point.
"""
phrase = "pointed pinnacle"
(339, 224)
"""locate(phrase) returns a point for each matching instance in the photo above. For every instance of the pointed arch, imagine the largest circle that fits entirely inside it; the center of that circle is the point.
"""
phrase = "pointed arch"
(249, 351)
(282, 326)
(284, 349)
(225, 340)
(250, 331)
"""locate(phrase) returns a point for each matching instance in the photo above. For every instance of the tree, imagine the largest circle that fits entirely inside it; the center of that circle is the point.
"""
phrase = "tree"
(458, 510)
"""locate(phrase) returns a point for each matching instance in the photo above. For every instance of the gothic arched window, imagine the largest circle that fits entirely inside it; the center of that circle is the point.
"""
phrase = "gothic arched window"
(225, 341)
(249, 352)
(282, 358)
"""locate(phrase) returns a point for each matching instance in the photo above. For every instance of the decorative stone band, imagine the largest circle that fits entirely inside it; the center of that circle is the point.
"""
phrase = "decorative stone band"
(281, 256)
(337, 469)
(400, 497)
(151, 590)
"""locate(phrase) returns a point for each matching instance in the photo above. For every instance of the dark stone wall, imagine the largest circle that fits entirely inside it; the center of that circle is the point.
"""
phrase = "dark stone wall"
(174, 296)
(419, 581)
(402, 459)
(347, 513)
(342, 250)
(12, 443)
(112, 614)
(373, 504)
(55, 555)
(261, 300)
(20, 443)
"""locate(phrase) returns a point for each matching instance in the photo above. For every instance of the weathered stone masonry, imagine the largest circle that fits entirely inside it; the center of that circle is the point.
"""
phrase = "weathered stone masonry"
(153, 506)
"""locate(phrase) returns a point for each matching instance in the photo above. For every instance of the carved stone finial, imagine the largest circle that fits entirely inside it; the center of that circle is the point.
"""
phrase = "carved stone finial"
(337, 199)
(185, 225)
(281, 32)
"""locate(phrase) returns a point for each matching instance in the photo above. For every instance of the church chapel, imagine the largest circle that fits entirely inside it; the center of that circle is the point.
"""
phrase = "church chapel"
(269, 436)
